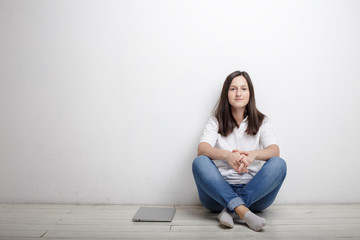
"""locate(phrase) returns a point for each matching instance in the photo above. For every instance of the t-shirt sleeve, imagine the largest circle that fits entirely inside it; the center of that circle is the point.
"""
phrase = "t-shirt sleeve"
(210, 132)
(267, 135)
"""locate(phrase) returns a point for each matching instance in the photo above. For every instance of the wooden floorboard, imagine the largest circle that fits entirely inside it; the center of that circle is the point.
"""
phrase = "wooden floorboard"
(91, 222)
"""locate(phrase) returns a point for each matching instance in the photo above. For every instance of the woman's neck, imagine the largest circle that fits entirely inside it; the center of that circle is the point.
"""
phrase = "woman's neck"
(238, 115)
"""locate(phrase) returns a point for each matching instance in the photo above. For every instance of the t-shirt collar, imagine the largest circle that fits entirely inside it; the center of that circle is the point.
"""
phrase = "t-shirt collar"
(244, 122)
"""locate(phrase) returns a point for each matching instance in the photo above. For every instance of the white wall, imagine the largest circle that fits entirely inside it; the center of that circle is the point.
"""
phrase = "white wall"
(105, 101)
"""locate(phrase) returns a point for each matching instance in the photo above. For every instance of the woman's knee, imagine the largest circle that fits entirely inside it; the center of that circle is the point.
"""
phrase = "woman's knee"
(279, 164)
(199, 161)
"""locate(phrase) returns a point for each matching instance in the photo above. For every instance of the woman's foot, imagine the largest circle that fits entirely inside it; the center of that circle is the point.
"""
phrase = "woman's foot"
(253, 221)
(226, 219)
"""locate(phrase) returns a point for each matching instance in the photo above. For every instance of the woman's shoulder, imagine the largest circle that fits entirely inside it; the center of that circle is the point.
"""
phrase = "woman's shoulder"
(213, 121)
(266, 122)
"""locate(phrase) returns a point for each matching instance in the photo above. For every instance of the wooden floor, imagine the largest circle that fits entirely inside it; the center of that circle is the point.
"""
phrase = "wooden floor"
(47, 221)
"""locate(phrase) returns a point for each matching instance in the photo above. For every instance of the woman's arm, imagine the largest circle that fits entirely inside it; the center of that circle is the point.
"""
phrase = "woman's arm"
(233, 158)
(206, 149)
(267, 153)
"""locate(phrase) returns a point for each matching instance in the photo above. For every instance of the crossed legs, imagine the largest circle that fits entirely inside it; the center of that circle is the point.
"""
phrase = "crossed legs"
(216, 194)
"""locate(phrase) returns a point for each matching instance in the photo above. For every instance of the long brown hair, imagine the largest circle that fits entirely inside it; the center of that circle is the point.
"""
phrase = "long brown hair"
(224, 114)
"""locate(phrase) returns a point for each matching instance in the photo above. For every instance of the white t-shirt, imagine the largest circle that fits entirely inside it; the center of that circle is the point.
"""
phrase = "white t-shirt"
(240, 140)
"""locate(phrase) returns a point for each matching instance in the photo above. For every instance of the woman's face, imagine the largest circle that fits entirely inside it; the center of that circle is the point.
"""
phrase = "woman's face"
(239, 93)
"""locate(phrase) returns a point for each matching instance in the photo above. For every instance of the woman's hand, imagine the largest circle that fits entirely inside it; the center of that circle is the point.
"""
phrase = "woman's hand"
(237, 160)
(246, 161)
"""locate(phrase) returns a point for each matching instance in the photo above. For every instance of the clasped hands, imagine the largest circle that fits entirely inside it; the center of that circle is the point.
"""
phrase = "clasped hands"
(240, 160)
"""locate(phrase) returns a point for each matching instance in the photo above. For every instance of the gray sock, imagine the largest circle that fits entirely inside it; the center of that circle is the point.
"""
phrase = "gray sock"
(226, 219)
(254, 222)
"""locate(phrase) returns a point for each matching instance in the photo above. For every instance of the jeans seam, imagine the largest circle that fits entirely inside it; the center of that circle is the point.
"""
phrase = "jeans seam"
(273, 186)
(211, 195)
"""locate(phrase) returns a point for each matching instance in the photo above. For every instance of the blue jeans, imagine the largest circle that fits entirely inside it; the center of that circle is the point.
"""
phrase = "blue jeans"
(259, 193)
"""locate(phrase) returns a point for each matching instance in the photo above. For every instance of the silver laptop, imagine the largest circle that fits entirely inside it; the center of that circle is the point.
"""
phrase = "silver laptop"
(154, 214)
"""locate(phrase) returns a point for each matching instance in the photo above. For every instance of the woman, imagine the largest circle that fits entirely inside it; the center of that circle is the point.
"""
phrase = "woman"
(238, 169)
